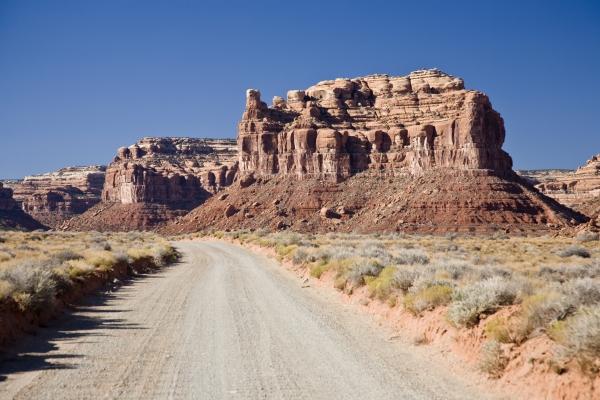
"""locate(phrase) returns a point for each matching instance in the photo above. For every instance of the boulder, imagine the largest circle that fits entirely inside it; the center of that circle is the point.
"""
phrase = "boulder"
(230, 210)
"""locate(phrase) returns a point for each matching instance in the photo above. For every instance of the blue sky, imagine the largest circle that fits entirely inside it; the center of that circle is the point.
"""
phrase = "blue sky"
(78, 79)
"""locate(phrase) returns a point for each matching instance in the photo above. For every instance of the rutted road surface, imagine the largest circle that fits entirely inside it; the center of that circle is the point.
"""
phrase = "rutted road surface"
(223, 324)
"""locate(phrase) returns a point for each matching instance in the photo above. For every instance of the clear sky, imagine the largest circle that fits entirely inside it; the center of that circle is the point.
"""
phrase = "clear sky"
(78, 79)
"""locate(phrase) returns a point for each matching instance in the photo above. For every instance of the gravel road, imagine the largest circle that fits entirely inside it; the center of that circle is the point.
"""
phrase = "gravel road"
(225, 323)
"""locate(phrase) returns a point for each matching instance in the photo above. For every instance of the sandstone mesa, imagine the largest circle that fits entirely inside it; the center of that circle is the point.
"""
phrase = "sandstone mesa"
(417, 152)
(157, 179)
(55, 197)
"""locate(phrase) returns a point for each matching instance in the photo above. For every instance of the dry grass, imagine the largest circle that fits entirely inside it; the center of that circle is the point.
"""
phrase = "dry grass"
(37, 267)
(552, 283)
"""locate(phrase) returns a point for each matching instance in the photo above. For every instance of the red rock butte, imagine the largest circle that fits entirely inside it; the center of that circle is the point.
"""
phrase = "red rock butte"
(377, 153)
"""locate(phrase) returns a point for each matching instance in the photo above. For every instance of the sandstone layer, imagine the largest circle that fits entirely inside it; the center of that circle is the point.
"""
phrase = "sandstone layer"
(11, 215)
(577, 189)
(377, 153)
(55, 197)
(394, 125)
(157, 179)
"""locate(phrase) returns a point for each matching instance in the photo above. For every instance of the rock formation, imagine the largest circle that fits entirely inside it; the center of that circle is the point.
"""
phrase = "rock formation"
(156, 179)
(412, 124)
(55, 197)
(11, 215)
(575, 189)
(412, 153)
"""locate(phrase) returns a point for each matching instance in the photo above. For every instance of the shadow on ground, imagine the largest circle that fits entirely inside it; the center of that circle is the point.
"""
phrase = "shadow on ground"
(89, 319)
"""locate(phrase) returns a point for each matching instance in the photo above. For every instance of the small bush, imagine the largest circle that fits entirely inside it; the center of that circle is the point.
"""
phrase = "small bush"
(567, 272)
(33, 285)
(580, 335)
(361, 268)
(102, 259)
(375, 251)
(411, 256)
(303, 255)
(586, 236)
(538, 312)
(480, 298)
(574, 251)
(498, 329)
(493, 361)
(65, 255)
(583, 291)
(381, 286)
(318, 269)
(78, 269)
(284, 250)
(453, 269)
(428, 298)
(404, 278)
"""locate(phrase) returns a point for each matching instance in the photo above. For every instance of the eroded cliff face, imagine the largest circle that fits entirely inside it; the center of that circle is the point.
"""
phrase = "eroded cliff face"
(11, 215)
(55, 197)
(157, 179)
(577, 189)
(396, 125)
(181, 172)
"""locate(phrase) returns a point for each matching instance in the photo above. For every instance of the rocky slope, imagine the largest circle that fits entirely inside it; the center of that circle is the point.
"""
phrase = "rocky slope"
(157, 179)
(578, 189)
(55, 197)
(11, 215)
(377, 153)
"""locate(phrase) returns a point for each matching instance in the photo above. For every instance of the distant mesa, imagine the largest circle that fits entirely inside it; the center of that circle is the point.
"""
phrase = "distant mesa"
(159, 179)
(55, 197)
(572, 188)
(398, 153)
(12, 216)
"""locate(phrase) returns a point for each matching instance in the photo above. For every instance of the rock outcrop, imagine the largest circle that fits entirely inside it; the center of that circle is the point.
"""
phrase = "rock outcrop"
(393, 125)
(55, 197)
(11, 215)
(157, 179)
(576, 189)
(412, 153)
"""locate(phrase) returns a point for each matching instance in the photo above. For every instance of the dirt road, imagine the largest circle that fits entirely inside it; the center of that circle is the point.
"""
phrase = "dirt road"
(223, 324)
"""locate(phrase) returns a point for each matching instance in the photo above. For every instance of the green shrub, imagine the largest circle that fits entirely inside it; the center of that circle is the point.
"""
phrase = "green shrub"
(381, 286)
(318, 269)
(428, 298)
(498, 328)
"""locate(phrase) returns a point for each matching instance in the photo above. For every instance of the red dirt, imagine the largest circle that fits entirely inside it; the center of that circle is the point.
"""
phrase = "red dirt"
(433, 203)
